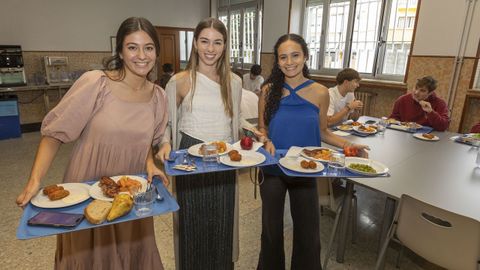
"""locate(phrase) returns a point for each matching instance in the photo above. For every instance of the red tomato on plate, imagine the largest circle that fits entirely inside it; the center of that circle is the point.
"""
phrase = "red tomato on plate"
(350, 151)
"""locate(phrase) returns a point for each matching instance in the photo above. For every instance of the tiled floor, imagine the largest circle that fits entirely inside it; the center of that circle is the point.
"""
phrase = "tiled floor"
(16, 157)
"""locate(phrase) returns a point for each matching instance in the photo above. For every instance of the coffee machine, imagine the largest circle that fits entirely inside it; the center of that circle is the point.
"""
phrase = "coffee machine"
(12, 72)
(56, 70)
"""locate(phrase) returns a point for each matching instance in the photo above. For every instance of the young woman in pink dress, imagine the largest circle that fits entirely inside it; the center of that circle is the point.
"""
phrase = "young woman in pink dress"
(114, 117)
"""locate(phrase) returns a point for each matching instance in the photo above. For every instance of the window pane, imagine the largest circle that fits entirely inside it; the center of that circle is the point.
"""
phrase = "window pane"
(477, 80)
(234, 35)
(249, 35)
(336, 35)
(183, 48)
(189, 43)
(313, 33)
(365, 35)
(224, 19)
(399, 36)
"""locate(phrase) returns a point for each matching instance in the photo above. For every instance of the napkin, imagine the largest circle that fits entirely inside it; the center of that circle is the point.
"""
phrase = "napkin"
(255, 147)
(294, 151)
(341, 133)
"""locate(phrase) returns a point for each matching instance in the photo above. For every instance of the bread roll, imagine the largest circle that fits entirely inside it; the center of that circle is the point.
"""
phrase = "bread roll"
(96, 212)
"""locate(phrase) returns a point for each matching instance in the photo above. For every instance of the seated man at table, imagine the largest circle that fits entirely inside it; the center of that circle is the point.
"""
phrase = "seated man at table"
(475, 128)
(343, 105)
(422, 106)
(253, 80)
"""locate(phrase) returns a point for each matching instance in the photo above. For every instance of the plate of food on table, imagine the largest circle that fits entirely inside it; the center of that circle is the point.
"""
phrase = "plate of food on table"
(365, 166)
(393, 121)
(317, 153)
(300, 164)
(470, 139)
(405, 125)
(61, 195)
(366, 129)
(198, 150)
(242, 158)
(345, 127)
(108, 187)
(426, 136)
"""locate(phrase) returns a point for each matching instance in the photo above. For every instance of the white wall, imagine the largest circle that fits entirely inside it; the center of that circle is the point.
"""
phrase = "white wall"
(275, 22)
(85, 25)
(439, 28)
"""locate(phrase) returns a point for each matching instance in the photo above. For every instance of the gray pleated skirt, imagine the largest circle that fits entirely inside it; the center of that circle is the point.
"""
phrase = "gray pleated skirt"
(205, 218)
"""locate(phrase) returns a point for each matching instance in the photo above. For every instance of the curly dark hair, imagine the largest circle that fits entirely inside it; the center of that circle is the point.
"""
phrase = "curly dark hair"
(276, 79)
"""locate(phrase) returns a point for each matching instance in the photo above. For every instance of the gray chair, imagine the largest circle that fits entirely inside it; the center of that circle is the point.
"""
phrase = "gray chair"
(446, 239)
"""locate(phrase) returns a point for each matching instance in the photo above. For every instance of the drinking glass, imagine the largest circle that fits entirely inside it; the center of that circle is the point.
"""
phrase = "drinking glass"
(412, 126)
(382, 125)
(210, 157)
(143, 201)
(336, 165)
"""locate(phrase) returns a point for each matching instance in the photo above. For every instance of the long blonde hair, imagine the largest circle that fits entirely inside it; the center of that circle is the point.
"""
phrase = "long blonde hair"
(223, 64)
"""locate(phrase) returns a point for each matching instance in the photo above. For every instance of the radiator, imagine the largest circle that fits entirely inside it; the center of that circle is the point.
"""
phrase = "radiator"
(368, 99)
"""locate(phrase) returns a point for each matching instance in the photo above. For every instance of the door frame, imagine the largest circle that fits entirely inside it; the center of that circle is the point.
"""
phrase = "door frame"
(176, 32)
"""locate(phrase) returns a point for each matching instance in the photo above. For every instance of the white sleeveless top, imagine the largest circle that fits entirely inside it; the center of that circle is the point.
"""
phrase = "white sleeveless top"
(205, 119)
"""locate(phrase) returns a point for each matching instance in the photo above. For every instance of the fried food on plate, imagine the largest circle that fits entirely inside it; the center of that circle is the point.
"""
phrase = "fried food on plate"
(109, 187)
(58, 194)
(122, 204)
(48, 189)
(235, 155)
(128, 184)
(320, 153)
(428, 136)
(221, 147)
(308, 164)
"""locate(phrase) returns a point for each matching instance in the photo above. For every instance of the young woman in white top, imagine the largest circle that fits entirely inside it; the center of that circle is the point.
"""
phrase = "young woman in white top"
(204, 105)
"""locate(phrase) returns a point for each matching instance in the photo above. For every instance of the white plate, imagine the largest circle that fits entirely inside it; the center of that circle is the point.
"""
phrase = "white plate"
(377, 166)
(249, 159)
(403, 126)
(293, 163)
(78, 194)
(356, 128)
(313, 148)
(419, 136)
(193, 150)
(97, 193)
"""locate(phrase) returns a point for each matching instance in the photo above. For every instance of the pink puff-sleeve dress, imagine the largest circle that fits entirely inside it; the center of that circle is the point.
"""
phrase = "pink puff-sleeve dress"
(113, 137)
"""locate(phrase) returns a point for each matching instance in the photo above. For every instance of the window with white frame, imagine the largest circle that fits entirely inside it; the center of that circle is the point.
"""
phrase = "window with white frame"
(371, 36)
(476, 84)
(243, 19)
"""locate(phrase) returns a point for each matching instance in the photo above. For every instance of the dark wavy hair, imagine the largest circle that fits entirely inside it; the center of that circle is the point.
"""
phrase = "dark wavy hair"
(276, 79)
(129, 26)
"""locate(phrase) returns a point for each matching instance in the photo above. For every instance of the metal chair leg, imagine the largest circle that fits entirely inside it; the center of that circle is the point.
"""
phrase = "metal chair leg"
(381, 256)
(332, 236)
(399, 256)
(354, 219)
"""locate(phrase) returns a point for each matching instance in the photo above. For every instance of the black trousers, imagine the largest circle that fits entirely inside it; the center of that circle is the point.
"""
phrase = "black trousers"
(205, 218)
(306, 224)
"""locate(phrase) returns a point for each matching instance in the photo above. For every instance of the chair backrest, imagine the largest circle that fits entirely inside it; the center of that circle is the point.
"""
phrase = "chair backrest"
(368, 99)
(441, 237)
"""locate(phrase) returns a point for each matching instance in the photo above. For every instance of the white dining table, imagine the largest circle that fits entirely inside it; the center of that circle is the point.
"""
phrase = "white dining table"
(442, 173)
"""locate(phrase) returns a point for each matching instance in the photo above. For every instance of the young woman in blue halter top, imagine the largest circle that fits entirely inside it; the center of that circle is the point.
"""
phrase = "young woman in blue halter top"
(292, 112)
